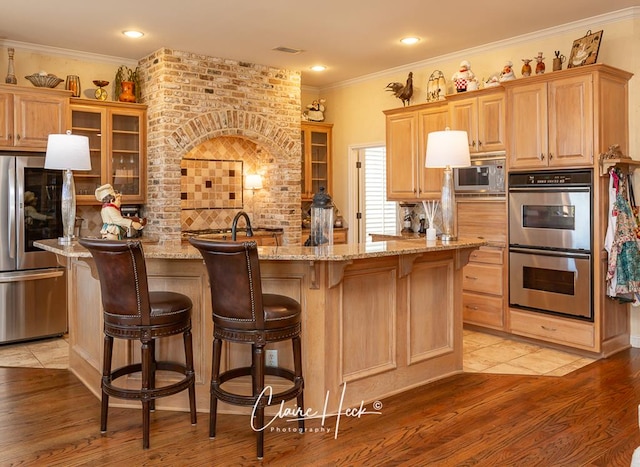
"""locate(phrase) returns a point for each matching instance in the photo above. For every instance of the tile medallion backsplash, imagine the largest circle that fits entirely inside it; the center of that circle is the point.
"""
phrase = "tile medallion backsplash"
(211, 184)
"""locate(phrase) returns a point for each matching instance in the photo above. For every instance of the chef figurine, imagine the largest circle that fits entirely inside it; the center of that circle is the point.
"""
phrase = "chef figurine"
(463, 76)
(540, 64)
(507, 72)
(115, 225)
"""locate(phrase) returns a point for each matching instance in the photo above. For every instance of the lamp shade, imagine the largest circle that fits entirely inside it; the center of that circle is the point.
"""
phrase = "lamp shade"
(448, 148)
(253, 182)
(67, 151)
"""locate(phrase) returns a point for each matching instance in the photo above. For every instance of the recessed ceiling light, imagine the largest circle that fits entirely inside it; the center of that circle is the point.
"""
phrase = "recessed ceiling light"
(133, 34)
(318, 67)
(410, 40)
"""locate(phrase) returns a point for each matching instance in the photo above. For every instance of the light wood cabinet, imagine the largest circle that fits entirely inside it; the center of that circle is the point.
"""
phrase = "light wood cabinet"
(556, 120)
(117, 141)
(482, 115)
(316, 158)
(406, 144)
(28, 116)
(574, 115)
(339, 235)
(484, 280)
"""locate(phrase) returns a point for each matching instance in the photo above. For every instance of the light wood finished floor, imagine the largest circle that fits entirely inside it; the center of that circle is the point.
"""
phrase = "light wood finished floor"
(587, 417)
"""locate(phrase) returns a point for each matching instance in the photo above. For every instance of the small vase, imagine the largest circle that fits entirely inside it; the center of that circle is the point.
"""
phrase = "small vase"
(11, 75)
(127, 94)
(73, 84)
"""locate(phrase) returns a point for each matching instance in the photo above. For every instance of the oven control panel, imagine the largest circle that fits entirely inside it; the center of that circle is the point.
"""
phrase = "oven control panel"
(542, 179)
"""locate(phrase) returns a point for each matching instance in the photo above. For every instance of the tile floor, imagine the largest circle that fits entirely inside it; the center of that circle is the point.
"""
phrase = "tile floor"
(483, 353)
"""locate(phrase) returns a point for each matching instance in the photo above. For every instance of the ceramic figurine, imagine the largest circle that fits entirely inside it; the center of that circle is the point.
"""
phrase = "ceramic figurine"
(462, 77)
(526, 68)
(115, 225)
(507, 72)
(315, 111)
(539, 64)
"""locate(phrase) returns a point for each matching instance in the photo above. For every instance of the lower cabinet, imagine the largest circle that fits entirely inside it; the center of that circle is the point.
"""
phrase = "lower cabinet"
(484, 278)
(483, 288)
(549, 328)
(339, 235)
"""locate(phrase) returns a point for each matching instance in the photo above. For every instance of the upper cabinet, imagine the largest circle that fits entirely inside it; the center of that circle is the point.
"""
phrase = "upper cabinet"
(29, 115)
(551, 118)
(316, 158)
(406, 140)
(117, 141)
(482, 115)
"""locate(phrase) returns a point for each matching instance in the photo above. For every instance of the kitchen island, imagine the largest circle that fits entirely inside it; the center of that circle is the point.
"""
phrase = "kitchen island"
(377, 318)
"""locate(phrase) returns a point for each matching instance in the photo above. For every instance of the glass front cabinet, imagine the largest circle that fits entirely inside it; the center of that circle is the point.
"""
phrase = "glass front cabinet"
(316, 158)
(117, 141)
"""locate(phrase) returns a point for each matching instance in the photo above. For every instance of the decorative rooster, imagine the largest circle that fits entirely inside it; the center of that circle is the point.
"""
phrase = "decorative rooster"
(402, 92)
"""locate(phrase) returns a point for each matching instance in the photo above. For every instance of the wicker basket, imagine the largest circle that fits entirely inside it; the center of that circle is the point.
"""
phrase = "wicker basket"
(44, 81)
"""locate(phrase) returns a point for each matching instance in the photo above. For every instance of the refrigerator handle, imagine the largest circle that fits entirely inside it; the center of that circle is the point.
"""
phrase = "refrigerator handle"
(12, 212)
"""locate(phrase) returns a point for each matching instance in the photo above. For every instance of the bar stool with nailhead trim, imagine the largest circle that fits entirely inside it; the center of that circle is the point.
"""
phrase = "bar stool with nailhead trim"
(243, 314)
(131, 312)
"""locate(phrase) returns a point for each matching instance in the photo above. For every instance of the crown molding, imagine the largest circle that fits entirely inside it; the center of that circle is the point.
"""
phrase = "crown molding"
(576, 26)
(67, 53)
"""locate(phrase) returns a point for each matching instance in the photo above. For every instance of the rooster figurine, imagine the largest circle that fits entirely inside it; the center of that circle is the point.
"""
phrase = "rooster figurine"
(402, 92)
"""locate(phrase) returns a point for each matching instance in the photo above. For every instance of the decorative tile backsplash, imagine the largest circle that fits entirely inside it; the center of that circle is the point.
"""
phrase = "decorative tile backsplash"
(210, 184)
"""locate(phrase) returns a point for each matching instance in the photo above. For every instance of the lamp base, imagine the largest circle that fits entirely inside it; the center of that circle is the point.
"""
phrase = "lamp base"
(66, 240)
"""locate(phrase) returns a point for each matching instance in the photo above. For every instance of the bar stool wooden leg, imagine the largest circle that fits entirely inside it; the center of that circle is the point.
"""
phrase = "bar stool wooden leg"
(215, 374)
(152, 376)
(106, 377)
(188, 353)
(258, 387)
(146, 383)
(297, 366)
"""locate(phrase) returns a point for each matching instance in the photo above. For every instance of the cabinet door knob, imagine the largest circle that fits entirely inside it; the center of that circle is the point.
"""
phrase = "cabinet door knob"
(550, 156)
(18, 137)
(541, 156)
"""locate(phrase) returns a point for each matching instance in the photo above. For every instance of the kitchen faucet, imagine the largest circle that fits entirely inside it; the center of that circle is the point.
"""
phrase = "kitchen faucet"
(234, 225)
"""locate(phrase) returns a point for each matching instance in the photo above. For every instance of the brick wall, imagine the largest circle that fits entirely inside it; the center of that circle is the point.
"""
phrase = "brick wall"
(193, 99)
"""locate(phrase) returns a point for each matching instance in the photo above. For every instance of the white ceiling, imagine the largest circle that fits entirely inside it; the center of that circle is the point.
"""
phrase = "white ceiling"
(352, 38)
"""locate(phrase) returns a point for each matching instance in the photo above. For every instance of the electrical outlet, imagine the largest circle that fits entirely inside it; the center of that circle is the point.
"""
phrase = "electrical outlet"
(271, 358)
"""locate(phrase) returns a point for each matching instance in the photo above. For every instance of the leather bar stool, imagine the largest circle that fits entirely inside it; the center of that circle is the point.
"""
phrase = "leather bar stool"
(243, 314)
(131, 312)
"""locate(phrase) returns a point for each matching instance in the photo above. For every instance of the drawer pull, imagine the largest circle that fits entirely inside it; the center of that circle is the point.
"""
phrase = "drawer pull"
(546, 328)
(471, 278)
(472, 307)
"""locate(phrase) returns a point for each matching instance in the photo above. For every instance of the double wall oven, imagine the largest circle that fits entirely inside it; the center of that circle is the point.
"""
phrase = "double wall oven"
(551, 242)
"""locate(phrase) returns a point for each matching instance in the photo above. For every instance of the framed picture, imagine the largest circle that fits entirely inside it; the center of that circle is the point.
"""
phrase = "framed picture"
(585, 49)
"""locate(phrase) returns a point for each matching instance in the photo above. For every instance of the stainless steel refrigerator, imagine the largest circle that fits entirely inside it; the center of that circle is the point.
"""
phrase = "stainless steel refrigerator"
(33, 297)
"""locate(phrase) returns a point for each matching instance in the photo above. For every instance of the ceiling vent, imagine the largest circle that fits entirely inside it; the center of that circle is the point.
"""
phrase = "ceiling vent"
(288, 50)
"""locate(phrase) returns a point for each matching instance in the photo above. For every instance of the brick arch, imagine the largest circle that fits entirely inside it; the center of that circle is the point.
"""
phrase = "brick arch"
(239, 123)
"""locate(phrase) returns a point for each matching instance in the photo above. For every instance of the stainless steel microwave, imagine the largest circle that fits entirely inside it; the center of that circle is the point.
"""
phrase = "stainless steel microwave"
(486, 176)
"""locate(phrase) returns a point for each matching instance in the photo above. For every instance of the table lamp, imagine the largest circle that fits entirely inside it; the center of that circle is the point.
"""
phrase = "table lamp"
(448, 148)
(68, 152)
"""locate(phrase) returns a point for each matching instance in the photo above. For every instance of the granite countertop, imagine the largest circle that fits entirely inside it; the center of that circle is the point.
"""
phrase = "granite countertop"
(342, 252)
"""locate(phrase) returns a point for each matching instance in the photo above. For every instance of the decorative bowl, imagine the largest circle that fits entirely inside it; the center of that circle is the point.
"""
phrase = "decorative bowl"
(44, 81)
(100, 83)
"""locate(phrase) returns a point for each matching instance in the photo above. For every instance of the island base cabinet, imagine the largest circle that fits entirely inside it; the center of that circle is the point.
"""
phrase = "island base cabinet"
(371, 327)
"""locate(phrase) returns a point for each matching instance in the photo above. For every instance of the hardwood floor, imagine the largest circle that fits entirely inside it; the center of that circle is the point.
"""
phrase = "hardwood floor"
(588, 417)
